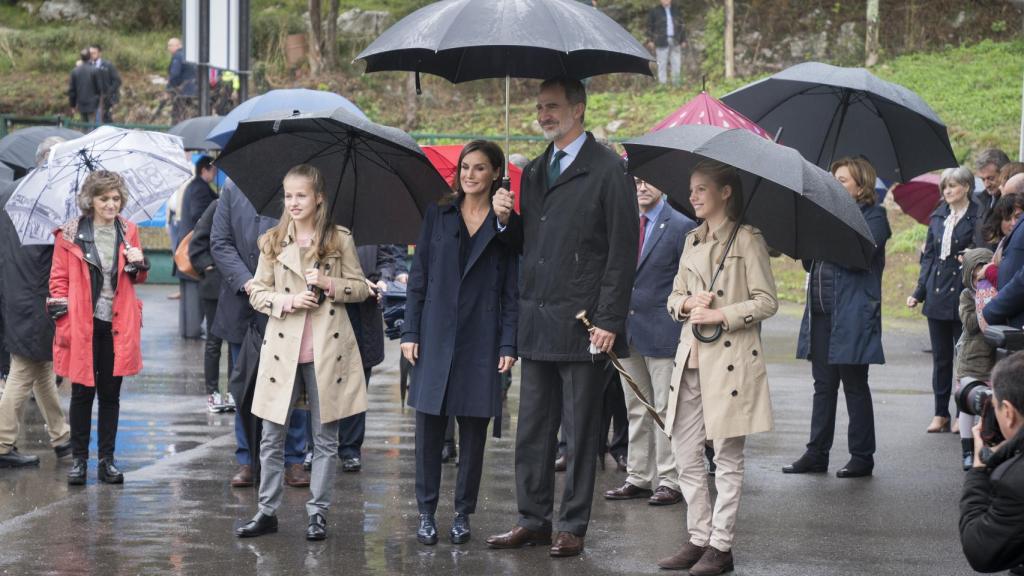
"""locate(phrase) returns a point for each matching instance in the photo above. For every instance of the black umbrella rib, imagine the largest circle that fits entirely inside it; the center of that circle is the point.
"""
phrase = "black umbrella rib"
(843, 103)
(804, 92)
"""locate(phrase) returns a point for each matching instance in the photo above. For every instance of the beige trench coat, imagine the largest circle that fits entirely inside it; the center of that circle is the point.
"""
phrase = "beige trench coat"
(340, 381)
(733, 380)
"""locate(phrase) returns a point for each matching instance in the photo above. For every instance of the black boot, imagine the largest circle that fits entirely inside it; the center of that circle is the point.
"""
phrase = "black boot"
(968, 447)
(259, 525)
(79, 467)
(460, 529)
(15, 459)
(427, 532)
(108, 473)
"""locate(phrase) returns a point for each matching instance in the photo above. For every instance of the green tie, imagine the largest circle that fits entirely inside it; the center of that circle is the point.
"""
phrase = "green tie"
(555, 169)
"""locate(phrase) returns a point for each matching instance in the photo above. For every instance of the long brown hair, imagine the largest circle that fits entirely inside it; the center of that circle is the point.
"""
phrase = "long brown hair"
(326, 241)
(724, 175)
(495, 157)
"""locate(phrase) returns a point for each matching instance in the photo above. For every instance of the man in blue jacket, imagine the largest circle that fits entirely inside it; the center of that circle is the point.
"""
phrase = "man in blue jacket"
(1008, 306)
(653, 337)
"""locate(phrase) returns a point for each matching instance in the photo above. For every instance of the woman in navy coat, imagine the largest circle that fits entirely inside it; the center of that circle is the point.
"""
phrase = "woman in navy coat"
(461, 316)
(841, 334)
(950, 232)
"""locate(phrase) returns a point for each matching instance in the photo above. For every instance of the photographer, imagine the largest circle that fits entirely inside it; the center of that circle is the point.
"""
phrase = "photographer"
(992, 505)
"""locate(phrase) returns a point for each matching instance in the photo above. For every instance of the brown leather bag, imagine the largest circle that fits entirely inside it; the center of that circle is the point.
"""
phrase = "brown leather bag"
(181, 259)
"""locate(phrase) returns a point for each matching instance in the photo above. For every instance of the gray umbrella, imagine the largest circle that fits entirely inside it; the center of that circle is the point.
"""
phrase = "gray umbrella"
(378, 181)
(801, 209)
(830, 112)
(18, 149)
(194, 130)
(6, 173)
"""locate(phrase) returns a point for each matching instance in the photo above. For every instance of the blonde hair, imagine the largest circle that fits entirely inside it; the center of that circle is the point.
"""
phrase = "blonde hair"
(863, 174)
(99, 183)
(724, 175)
(326, 240)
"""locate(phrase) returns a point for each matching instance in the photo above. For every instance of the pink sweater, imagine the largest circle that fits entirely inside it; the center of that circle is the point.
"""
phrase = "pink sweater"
(306, 345)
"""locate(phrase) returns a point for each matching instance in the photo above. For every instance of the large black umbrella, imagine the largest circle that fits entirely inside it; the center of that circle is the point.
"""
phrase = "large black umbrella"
(379, 181)
(194, 130)
(463, 40)
(829, 112)
(18, 149)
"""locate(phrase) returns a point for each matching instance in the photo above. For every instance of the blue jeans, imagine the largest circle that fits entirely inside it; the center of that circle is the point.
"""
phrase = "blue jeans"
(295, 443)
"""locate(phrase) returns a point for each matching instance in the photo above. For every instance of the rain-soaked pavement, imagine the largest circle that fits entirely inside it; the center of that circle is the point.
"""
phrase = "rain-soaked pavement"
(175, 513)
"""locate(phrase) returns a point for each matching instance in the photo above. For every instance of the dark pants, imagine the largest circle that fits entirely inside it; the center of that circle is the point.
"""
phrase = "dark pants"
(352, 430)
(553, 394)
(827, 377)
(107, 387)
(615, 416)
(211, 355)
(430, 432)
(943, 334)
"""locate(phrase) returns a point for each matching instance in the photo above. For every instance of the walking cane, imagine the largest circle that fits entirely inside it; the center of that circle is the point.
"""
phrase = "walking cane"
(582, 317)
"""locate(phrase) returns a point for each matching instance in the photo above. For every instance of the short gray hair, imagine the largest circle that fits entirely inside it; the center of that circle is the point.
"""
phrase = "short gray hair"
(991, 156)
(43, 150)
(960, 175)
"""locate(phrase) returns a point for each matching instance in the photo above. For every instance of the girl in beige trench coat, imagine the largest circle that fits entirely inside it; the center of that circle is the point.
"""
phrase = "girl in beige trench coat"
(308, 270)
(719, 390)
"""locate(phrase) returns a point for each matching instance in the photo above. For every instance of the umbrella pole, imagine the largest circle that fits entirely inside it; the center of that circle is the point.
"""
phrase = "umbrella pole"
(506, 182)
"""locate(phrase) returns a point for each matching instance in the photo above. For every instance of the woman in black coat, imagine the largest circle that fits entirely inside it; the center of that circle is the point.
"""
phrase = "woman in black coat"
(950, 232)
(459, 333)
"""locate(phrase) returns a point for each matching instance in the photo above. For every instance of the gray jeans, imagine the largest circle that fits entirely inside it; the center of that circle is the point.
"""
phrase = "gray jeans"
(325, 446)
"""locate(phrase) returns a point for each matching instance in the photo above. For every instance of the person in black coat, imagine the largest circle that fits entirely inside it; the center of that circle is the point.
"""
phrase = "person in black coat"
(950, 232)
(198, 196)
(209, 292)
(1008, 305)
(459, 333)
(992, 504)
(111, 80)
(579, 233)
(841, 334)
(85, 88)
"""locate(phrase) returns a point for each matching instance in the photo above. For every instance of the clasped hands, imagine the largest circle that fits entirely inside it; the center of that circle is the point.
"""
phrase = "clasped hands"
(307, 300)
(698, 307)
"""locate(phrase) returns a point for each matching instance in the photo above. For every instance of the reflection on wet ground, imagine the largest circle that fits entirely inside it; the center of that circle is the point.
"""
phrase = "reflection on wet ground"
(175, 513)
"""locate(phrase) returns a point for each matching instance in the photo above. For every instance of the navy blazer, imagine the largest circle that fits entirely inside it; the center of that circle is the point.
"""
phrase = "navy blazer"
(649, 328)
(1008, 306)
(233, 242)
(462, 322)
(941, 281)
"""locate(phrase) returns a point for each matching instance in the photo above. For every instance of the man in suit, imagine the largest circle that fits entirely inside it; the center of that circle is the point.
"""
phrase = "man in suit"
(233, 241)
(198, 195)
(111, 80)
(987, 166)
(85, 88)
(1008, 305)
(667, 38)
(578, 236)
(653, 338)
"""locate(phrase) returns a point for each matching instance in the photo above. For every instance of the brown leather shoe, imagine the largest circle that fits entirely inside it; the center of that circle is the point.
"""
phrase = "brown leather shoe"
(560, 464)
(296, 476)
(713, 562)
(242, 478)
(627, 492)
(665, 496)
(519, 537)
(567, 544)
(687, 556)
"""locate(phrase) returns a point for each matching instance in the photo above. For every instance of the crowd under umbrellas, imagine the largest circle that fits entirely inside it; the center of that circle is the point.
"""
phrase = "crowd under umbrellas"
(380, 185)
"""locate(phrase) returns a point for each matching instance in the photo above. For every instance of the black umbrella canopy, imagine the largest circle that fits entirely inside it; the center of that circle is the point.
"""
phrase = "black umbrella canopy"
(194, 130)
(462, 40)
(802, 210)
(829, 112)
(18, 149)
(378, 181)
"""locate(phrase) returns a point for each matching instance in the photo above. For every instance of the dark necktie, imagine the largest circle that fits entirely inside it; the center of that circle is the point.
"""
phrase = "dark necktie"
(555, 168)
(643, 234)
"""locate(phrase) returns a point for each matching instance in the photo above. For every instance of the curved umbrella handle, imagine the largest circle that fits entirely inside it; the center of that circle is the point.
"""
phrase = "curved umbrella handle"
(707, 339)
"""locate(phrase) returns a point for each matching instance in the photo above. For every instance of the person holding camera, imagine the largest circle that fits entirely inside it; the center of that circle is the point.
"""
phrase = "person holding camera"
(975, 357)
(992, 504)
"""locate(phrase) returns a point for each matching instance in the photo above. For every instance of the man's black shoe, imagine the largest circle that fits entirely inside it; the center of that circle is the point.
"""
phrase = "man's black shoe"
(351, 465)
(15, 459)
(108, 473)
(317, 529)
(63, 450)
(259, 525)
(79, 467)
(806, 465)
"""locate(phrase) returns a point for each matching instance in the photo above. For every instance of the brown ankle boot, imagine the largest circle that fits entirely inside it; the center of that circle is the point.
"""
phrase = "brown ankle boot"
(713, 562)
(687, 556)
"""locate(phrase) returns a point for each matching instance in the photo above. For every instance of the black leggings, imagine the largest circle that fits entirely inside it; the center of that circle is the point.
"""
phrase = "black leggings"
(943, 334)
(107, 387)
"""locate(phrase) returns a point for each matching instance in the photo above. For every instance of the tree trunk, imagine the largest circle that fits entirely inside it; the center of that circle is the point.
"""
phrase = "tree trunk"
(331, 42)
(316, 38)
(871, 36)
(730, 56)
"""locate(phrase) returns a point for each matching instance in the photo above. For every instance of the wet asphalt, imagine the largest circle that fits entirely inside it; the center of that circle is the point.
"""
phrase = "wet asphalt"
(176, 513)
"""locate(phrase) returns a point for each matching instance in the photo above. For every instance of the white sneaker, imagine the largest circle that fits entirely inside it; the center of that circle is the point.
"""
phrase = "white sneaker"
(214, 403)
(229, 403)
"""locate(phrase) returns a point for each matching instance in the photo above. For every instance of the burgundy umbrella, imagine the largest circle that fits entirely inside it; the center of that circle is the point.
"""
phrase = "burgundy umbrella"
(919, 197)
(708, 110)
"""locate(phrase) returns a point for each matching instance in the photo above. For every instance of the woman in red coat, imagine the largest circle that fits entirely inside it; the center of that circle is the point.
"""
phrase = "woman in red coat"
(96, 264)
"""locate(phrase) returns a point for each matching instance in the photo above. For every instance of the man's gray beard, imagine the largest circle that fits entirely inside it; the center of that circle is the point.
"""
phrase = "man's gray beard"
(553, 135)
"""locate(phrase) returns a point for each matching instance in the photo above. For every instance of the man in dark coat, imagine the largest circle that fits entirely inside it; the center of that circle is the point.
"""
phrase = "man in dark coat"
(666, 37)
(992, 504)
(1008, 305)
(233, 240)
(111, 80)
(578, 233)
(987, 166)
(201, 256)
(85, 88)
(182, 81)
(381, 263)
(198, 196)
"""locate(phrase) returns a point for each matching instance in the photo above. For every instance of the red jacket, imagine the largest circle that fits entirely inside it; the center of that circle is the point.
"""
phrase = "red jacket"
(70, 282)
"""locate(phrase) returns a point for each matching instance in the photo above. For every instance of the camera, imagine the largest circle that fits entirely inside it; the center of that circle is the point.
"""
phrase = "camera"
(975, 398)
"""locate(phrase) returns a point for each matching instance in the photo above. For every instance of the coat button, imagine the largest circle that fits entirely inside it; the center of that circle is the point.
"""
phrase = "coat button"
(735, 393)
(338, 359)
(688, 293)
(287, 289)
(272, 379)
(327, 267)
(754, 352)
(336, 334)
(632, 312)
(540, 304)
(541, 261)
(264, 342)
(348, 289)
(338, 381)
(730, 368)
(728, 343)
(276, 357)
(544, 218)
(331, 312)
(280, 334)
(671, 388)
(720, 293)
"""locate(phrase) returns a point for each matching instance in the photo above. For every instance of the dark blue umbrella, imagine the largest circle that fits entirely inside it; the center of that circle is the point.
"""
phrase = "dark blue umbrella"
(276, 101)
(18, 149)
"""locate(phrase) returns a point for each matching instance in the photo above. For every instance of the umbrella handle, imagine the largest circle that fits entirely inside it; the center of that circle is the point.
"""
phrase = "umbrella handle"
(707, 339)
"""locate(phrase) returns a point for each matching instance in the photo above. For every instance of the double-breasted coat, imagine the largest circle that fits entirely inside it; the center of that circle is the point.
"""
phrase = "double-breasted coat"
(340, 382)
(940, 282)
(733, 378)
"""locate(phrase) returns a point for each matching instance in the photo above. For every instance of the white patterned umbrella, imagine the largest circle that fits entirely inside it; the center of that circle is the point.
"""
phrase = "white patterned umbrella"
(153, 164)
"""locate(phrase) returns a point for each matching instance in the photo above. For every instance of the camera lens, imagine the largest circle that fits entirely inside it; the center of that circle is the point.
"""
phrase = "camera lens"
(973, 398)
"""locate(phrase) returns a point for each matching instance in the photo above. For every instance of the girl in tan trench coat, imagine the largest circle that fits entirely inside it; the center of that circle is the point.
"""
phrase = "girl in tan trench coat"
(719, 390)
(308, 271)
